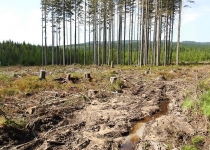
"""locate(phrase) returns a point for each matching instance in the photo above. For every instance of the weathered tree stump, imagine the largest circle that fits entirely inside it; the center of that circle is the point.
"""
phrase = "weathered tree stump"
(87, 76)
(113, 79)
(92, 93)
(148, 71)
(42, 74)
(31, 110)
(68, 77)
(112, 64)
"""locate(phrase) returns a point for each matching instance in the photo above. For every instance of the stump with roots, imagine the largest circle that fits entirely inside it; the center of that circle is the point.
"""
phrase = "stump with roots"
(87, 76)
(42, 74)
(113, 80)
(68, 77)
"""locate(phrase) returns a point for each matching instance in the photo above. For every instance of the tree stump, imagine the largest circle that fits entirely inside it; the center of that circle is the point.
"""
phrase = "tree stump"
(112, 64)
(87, 76)
(113, 79)
(92, 93)
(31, 110)
(42, 74)
(68, 77)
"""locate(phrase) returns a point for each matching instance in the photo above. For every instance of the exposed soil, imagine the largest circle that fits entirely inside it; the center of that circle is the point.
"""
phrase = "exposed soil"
(144, 114)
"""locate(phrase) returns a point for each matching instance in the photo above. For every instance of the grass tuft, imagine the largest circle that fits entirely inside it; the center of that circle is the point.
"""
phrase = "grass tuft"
(189, 147)
(205, 103)
(198, 139)
(188, 104)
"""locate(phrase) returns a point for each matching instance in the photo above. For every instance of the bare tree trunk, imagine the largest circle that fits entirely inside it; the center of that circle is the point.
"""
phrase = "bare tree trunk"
(59, 44)
(137, 34)
(42, 36)
(179, 28)
(155, 33)
(171, 41)
(159, 35)
(166, 40)
(85, 35)
(64, 32)
(124, 32)
(70, 46)
(45, 32)
(94, 35)
(119, 40)
(146, 34)
(89, 42)
(110, 36)
(104, 39)
(75, 32)
(78, 49)
(52, 13)
(142, 33)
(113, 38)
(99, 36)
(131, 50)
(56, 60)
(67, 48)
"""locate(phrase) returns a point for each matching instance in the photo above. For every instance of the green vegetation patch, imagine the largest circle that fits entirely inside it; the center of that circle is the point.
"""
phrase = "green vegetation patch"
(198, 139)
(205, 103)
(188, 104)
(204, 85)
(117, 86)
(189, 147)
(27, 84)
(2, 120)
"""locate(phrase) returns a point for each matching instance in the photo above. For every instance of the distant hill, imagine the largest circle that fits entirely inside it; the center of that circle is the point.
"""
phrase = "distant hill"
(135, 41)
(194, 42)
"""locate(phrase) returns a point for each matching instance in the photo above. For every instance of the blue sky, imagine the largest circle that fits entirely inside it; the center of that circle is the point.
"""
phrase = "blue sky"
(21, 21)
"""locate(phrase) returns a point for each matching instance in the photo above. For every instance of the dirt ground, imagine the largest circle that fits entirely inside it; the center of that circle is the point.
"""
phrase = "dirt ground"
(143, 112)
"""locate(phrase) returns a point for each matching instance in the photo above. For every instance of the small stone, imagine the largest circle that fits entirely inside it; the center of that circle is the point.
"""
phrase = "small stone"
(144, 96)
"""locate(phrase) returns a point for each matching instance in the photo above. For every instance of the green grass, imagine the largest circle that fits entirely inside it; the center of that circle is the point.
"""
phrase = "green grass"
(205, 103)
(117, 86)
(2, 120)
(188, 104)
(28, 84)
(189, 147)
(197, 139)
(204, 85)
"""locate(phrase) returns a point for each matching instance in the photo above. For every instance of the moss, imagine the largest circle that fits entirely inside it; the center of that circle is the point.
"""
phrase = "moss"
(189, 147)
(198, 139)
(2, 120)
(205, 104)
(188, 104)
(117, 86)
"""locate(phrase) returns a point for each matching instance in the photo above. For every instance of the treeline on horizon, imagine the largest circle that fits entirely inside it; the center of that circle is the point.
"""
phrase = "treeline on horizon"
(14, 53)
